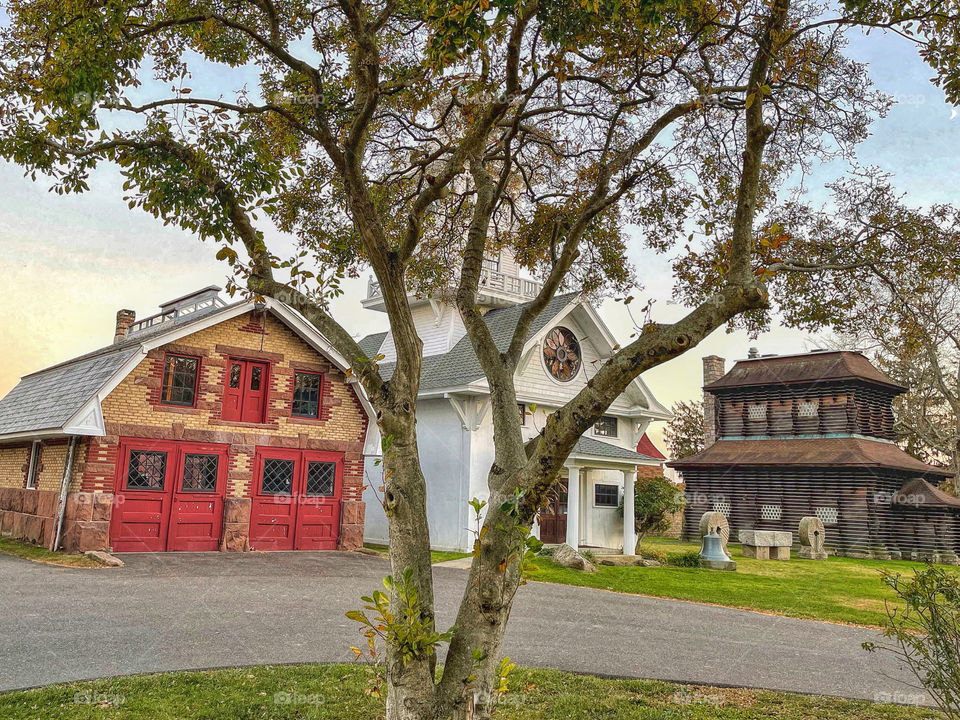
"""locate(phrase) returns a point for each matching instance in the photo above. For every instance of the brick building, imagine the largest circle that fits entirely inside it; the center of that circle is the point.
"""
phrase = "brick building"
(207, 426)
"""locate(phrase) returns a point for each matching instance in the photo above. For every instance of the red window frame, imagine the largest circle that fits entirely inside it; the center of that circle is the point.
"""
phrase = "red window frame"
(196, 379)
(319, 394)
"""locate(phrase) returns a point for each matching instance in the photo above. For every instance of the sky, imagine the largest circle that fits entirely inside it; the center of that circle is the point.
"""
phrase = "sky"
(71, 262)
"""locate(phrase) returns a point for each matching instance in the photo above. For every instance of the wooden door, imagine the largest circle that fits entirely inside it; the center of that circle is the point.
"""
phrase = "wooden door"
(254, 393)
(318, 502)
(197, 509)
(553, 518)
(142, 496)
(274, 512)
(245, 391)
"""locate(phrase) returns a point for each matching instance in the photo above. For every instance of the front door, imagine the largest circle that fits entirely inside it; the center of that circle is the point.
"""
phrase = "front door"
(296, 500)
(245, 391)
(168, 496)
(553, 517)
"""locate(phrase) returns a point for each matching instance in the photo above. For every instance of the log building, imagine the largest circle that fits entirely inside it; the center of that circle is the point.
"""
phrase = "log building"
(812, 434)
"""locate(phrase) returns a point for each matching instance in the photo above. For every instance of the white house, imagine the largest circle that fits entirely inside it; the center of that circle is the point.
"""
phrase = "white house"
(566, 345)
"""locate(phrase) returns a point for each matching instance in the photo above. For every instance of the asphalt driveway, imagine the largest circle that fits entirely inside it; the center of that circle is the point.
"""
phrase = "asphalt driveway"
(176, 611)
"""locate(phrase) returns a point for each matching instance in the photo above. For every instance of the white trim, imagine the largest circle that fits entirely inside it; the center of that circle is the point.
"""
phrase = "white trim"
(32, 463)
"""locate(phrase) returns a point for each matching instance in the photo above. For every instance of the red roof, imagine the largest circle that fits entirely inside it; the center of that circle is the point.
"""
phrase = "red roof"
(646, 447)
(812, 367)
(811, 452)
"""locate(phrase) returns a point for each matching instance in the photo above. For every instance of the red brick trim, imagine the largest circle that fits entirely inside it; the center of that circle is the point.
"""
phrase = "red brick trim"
(248, 354)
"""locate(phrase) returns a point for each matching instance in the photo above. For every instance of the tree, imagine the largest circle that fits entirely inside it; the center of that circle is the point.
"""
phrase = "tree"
(903, 307)
(396, 136)
(684, 433)
(655, 499)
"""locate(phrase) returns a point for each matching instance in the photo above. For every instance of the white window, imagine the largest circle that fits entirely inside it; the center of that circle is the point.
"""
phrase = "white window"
(757, 411)
(808, 408)
(606, 426)
(606, 495)
(827, 515)
(722, 507)
(33, 466)
(770, 512)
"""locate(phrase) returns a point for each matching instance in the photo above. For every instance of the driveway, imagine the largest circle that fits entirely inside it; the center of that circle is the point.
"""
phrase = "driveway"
(175, 611)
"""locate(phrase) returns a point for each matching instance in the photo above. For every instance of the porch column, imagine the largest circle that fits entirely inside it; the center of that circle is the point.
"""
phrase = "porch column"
(573, 507)
(629, 512)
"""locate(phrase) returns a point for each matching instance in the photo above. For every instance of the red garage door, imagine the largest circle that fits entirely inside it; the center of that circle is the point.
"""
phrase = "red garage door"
(296, 500)
(169, 496)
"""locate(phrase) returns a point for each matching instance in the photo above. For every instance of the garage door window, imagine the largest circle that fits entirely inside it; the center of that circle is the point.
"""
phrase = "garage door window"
(199, 473)
(147, 470)
(277, 477)
(320, 478)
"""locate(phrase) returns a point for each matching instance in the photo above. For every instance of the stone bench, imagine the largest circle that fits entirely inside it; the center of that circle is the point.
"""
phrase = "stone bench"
(766, 544)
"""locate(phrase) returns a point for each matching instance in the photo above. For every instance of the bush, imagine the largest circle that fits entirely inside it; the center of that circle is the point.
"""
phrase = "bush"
(688, 559)
(655, 499)
(547, 551)
(924, 632)
(650, 553)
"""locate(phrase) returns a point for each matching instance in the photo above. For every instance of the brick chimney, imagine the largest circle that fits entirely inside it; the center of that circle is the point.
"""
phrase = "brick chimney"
(125, 318)
(713, 369)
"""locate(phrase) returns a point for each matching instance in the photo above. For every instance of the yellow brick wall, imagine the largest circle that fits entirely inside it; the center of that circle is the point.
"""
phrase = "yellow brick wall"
(12, 460)
(52, 459)
(131, 409)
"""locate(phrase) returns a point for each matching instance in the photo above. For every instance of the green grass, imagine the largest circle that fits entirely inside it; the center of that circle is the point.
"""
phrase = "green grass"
(436, 556)
(336, 692)
(839, 589)
(41, 554)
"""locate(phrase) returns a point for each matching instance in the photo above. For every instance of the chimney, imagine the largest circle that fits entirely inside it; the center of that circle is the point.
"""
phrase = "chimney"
(713, 369)
(753, 354)
(125, 318)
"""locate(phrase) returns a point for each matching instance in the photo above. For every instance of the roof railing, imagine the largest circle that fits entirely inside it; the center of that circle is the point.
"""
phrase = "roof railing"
(186, 310)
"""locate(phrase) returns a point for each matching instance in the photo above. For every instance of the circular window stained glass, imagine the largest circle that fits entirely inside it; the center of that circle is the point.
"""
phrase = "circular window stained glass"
(561, 354)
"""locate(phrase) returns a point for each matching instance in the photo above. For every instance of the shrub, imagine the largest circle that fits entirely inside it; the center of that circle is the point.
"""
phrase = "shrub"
(547, 551)
(655, 499)
(688, 559)
(924, 632)
(650, 553)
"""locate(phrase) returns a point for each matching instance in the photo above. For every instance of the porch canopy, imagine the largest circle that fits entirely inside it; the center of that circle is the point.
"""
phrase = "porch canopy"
(591, 454)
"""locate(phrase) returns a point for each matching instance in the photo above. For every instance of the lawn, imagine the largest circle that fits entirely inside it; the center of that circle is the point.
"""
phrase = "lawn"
(838, 589)
(336, 692)
(436, 556)
(40, 554)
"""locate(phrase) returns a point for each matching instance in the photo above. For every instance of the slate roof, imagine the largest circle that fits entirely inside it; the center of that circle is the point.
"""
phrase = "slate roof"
(811, 452)
(48, 398)
(805, 368)
(371, 343)
(461, 366)
(589, 446)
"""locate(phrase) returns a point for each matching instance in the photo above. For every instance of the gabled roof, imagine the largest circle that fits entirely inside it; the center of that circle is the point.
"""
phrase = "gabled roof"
(812, 367)
(808, 452)
(920, 493)
(596, 448)
(64, 399)
(371, 343)
(461, 366)
(646, 447)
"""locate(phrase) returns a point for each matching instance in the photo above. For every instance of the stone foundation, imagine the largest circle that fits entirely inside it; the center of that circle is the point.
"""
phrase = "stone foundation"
(236, 524)
(351, 524)
(86, 522)
(28, 515)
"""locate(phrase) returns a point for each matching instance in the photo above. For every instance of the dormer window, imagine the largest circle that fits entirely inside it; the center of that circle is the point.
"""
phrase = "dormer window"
(606, 426)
